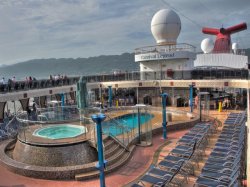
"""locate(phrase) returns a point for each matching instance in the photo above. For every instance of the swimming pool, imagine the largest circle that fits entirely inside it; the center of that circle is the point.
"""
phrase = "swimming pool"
(60, 131)
(130, 121)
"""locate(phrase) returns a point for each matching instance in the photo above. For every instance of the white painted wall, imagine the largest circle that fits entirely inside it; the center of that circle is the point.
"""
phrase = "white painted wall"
(221, 59)
(164, 65)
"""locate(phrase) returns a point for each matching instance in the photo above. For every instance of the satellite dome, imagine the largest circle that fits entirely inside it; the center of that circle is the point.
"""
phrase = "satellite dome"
(235, 47)
(207, 45)
(165, 26)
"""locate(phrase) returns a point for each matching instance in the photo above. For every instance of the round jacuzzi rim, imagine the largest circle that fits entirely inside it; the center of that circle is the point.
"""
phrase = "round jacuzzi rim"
(82, 128)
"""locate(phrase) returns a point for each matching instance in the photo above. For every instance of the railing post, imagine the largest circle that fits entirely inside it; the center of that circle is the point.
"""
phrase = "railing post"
(200, 107)
(101, 164)
(191, 97)
(139, 125)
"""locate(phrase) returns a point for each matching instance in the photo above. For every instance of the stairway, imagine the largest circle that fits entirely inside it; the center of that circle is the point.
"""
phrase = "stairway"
(114, 153)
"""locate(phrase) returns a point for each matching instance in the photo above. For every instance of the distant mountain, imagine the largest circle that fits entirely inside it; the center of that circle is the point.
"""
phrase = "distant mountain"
(3, 65)
(42, 68)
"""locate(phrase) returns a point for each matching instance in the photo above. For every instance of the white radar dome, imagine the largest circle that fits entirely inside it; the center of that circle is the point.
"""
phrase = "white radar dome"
(165, 26)
(207, 45)
(235, 47)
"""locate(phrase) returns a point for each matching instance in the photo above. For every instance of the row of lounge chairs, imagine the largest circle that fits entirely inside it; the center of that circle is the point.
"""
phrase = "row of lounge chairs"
(175, 168)
(225, 164)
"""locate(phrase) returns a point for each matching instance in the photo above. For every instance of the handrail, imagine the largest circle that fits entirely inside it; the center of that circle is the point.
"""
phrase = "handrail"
(165, 48)
(195, 74)
(12, 131)
(118, 141)
(115, 121)
(120, 126)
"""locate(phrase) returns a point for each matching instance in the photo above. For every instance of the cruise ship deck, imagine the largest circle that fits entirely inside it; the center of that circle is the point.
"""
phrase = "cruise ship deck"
(181, 120)
(142, 160)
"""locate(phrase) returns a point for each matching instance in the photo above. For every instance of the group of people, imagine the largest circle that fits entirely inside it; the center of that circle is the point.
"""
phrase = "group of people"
(8, 84)
(29, 80)
(3, 81)
(226, 104)
(56, 79)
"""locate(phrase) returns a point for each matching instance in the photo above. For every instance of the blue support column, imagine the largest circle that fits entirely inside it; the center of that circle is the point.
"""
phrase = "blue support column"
(110, 96)
(62, 99)
(191, 97)
(164, 115)
(101, 164)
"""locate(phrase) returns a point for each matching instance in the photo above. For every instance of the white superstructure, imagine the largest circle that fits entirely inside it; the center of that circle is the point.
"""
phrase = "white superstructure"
(222, 60)
(167, 55)
(222, 53)
(234, 59)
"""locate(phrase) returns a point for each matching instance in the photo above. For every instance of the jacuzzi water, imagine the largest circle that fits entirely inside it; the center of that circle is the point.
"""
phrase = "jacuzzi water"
(60, 131)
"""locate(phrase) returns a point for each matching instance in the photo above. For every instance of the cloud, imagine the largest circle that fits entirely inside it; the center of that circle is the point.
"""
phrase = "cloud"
(82, 28)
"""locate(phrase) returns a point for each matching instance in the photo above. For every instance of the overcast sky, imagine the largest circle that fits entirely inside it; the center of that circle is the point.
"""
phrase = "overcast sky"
(82, 28)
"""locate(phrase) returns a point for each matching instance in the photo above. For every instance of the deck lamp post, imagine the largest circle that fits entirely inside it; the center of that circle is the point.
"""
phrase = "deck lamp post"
(101, 164)
(205, 104)
(191, 97)
(110, 96)
(139, 108)
(164, 115)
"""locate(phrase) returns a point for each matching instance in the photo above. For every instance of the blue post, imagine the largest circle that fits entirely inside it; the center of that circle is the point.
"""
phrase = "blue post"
(110, 96)
(62, 99)
(164, 115)
(191, 97)
(101, 164)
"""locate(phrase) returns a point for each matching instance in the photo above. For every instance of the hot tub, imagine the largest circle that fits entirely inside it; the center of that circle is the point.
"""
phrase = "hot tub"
(60, 131)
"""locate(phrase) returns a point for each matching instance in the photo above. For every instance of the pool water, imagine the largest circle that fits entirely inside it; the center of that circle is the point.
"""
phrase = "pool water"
(129, 121)
(60, 131)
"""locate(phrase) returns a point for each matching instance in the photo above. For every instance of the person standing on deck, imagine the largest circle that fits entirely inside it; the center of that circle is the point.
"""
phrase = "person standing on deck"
(14, 79)
(34, 112)
(28, 111)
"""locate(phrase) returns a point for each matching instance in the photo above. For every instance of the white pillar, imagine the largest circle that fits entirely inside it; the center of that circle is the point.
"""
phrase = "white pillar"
(142, 73)
(172, 96)
(248, 138)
